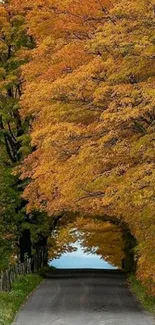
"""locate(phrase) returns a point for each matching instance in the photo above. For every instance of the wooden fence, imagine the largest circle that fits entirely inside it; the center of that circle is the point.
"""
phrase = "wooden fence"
(30, 265)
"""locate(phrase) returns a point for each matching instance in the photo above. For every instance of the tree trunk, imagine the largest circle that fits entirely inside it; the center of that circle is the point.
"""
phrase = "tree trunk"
(25, 245)
(42, 244)
(128, 263)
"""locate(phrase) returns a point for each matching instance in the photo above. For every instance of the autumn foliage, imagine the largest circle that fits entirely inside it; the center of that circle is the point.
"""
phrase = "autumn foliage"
(90, 90)
(95, 236)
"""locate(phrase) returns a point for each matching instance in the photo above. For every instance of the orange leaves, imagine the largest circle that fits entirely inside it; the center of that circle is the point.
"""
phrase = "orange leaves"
(90, 87)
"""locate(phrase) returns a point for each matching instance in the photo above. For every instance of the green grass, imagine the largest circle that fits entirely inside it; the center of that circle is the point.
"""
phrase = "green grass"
(46, 269)
(140, 291)
(10, 302)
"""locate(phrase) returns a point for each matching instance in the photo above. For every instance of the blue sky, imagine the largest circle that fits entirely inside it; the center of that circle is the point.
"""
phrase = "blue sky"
(79, 259)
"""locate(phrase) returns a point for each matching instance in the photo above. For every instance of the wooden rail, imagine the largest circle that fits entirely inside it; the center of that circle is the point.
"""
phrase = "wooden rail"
(30, 265)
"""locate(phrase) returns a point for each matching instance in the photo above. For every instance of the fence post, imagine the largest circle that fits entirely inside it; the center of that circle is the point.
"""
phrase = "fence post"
(30, 265)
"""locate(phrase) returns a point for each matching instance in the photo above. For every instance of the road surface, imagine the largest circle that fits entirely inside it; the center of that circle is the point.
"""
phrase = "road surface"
(83, 298)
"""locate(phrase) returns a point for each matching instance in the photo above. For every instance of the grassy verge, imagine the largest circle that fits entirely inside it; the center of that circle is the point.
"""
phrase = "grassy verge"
(139, 290)
(10, 302)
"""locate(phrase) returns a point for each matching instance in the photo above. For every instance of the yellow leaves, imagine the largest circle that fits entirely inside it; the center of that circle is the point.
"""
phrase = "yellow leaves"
(97, 236)
(90, 87)
(104, 237)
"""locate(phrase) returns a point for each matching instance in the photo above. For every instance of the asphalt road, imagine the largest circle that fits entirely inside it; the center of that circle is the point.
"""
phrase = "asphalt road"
(83, 298)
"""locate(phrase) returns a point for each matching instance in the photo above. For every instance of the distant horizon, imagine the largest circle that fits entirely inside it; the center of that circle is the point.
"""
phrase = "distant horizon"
(80, 259)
